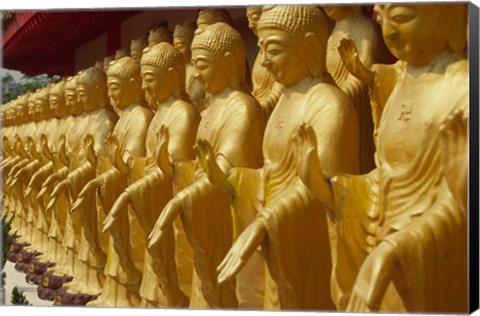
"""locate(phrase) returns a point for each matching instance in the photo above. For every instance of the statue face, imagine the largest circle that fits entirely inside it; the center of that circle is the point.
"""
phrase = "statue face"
(31, 107)
(337, 12)
(209, 71)
(135, 53)
(282, 56)
(54, 102)
(118, 92)
(86, 96)
(71, 100)
(183, 45)
(41, 108)
(253, 15)
(411, 32)
(153, 83)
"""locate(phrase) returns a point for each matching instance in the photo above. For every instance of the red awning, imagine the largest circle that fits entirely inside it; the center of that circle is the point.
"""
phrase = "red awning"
(36, 42)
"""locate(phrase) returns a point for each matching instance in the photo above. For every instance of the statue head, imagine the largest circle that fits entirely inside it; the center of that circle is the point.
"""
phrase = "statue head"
(211, 16)
(218, 56)
(70, 91)
(42, 104)
(159, 35)
(182, 39)
(106, 62)
(124, 83)
(253, 15)
(163, 73)
(293, 41)
(137, 46)
(417, 33)
(91, 88)
(339, 12)
(57, 99)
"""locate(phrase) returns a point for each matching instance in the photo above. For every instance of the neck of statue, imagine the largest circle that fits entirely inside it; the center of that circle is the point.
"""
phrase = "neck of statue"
(440, 60)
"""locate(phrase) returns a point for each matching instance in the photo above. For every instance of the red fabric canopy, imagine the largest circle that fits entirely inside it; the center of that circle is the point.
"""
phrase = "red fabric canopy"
(36, 42)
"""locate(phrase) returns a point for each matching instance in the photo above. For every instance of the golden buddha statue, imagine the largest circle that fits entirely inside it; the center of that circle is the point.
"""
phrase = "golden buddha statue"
(137, 46)
(264, 87)
(162, 63)
(124, 264)
(352, 22)
(233, 123)
(159, 35)
(182, 40)
(402, 236)
(287, 222)
(88, 142)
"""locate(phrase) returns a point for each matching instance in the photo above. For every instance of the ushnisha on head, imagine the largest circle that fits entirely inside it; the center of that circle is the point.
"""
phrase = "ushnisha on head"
(219, 58)
(159, 35)
(91, 87)
(182, 39)
(293, 40)
(137, 46)
(163, 73)
(124, 82)
(211, 16)
(57, 99)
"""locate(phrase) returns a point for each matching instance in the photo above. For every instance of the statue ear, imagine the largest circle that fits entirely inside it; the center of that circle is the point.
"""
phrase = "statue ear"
(313, 54)
(174, 81)
(230, 70)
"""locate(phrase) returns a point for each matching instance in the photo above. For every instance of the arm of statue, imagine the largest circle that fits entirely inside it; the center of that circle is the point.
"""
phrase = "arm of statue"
(91, 186)
(241, 250)
(38, 177)
(33, 149)
(351, 59)
(308, 164)
(61, 187)
(28, 169)
(373, 278)
(206, 157)
(57, 176)
(163, 157)
(454, 146)
(166, 219)
(120, 205)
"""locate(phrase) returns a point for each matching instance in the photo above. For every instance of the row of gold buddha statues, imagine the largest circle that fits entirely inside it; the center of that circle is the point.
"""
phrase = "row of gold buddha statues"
(337, 182)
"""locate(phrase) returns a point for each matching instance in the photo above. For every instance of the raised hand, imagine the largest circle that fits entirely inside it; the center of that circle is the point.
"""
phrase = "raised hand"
(206, 157)
(86, 191)
(454, 148)
(308, 164)
(349, 55)
(163, 158)
(373, 278)
(89, 143)
(241, 250)
(119, 205)
(166, 219)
